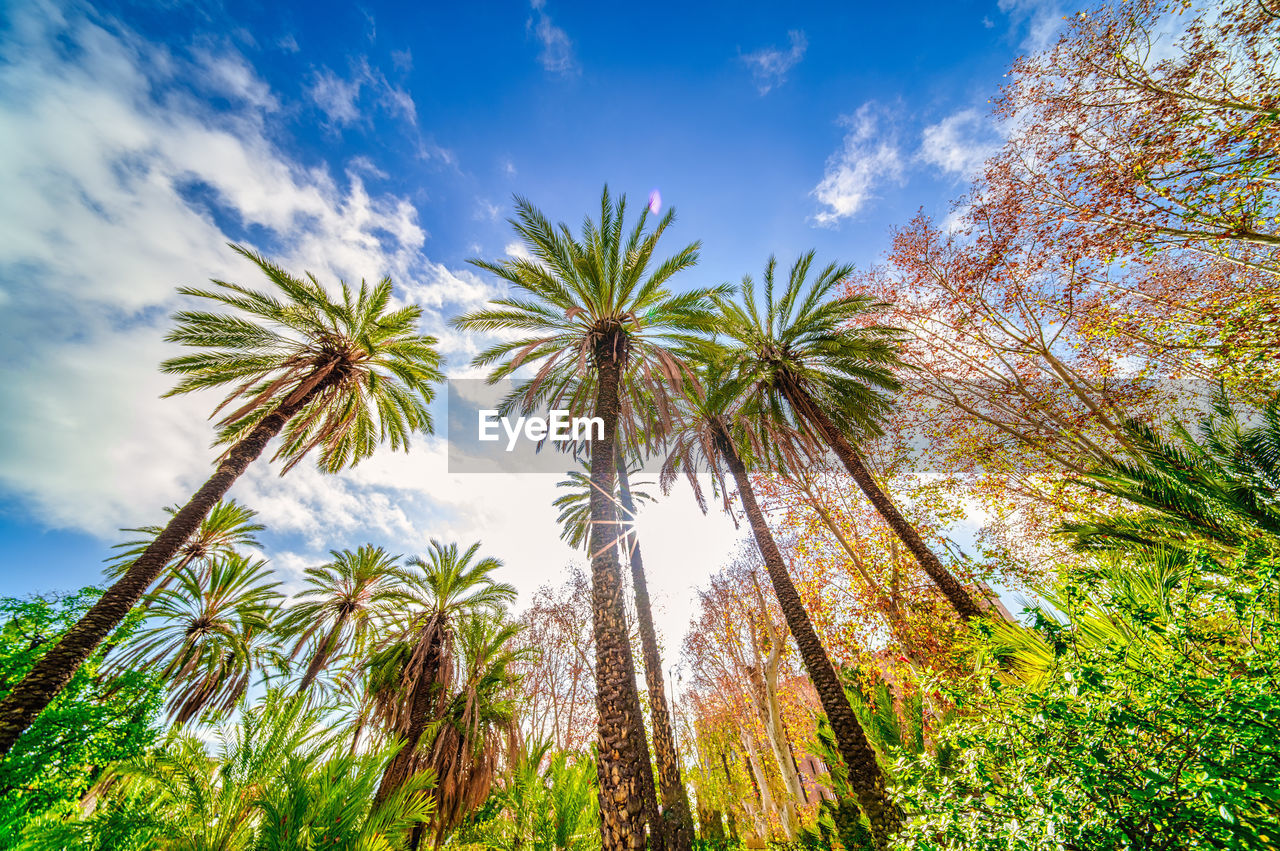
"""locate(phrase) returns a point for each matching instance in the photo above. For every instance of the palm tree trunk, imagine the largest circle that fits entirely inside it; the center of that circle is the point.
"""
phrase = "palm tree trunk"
(55, 669)
(421, 713)
(618, 765)
(319, 660)
(150, 598)
(678, 821)
(865, 776)
(951, 588)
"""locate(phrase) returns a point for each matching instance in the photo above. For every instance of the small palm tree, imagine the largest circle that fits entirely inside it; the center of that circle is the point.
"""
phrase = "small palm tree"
(594, 308)
(478, 721)
(412, 671)
(227, 528)
(341, 603)
(574, 505)
(721, 429)
(336, 375)
(203, 634)
(816, 361)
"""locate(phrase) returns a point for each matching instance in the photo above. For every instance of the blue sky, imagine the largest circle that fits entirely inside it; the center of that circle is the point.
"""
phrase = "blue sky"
(362, 140)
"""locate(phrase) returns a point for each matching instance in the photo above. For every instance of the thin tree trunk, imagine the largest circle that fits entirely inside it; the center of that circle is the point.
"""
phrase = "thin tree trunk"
(321, 658)
(618, 763)
(766, 711)
(675, 801)
(55, 669)
(865, 776)
(764, 679)
(951, 588)
(761, 781)
(887, 604)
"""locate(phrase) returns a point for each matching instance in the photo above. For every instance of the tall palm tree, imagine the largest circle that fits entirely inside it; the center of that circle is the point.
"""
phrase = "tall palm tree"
(721, 429)
(411, 673)
(575, 525)
(202, 634)
(816, 360)
(594, 307)
(342, 601)
(338, 375)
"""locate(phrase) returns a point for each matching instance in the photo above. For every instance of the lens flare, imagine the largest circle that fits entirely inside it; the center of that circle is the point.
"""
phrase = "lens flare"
(655, 202)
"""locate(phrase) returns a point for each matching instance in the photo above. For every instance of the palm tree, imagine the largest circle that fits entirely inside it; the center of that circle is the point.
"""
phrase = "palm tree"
(575, 523)
(593, 307)
(574, 505)
(478, 721)
(272, 785)
(815, 360)
(205, 643)
(720, 429)
(227, 527)
(340, 604)
(1215, 494)
(337, 375)
(411, 673)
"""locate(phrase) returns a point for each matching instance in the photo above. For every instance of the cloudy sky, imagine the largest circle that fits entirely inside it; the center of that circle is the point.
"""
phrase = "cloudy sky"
(361, 140)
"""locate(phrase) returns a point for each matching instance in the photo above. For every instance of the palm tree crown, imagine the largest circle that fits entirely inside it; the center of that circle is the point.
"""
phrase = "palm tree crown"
(1217, 494)
(341, 603)
(371, 372)
(805, 339)
(228, 527)
(576, 300)
(202, 633)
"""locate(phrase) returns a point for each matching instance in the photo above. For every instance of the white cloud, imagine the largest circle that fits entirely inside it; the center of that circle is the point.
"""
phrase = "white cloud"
(487, 211)
(868, 157)
(339, 97)
(1040, 21)
(769, 66)
(557, 48)
(518, 250)
(116, 191)
(98, 225)
(960, 143)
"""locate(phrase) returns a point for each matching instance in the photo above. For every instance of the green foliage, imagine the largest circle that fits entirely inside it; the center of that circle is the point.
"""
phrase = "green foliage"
(1150, 717)
(94, 721)
(275, 783)
(546, 801)
(373, 374)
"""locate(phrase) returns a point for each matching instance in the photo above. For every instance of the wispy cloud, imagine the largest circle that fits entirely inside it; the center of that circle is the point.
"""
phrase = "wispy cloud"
(770, 65)
(1039, 21)
(868, 157)
(557, 48)
(960, 143)
(340, 97)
